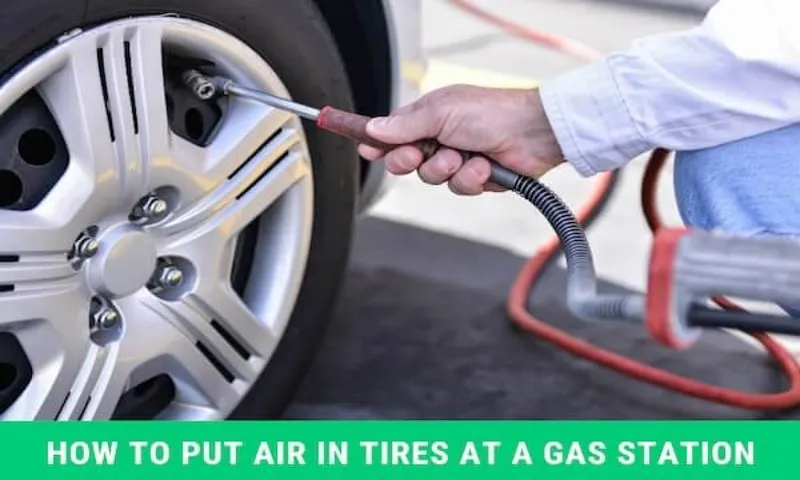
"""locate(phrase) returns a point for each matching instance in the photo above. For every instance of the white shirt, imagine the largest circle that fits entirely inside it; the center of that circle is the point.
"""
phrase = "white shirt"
(734, 76)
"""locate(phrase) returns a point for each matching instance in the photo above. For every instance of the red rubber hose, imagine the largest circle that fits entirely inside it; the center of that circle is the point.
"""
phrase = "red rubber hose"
(533, 268)
(566, 45)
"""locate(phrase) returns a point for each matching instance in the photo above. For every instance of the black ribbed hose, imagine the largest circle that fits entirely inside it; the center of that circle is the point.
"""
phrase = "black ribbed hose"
(582, 298)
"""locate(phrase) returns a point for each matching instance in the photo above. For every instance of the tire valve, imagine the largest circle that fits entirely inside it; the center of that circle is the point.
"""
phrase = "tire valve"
(201, 86)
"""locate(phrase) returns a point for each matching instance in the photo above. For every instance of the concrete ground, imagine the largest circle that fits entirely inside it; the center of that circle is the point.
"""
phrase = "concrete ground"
(464, 50)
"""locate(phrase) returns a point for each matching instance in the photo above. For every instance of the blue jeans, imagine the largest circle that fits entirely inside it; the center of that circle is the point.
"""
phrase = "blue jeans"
(750, 187)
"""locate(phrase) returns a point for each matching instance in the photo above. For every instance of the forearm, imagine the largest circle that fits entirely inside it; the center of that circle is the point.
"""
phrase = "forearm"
(736, 75)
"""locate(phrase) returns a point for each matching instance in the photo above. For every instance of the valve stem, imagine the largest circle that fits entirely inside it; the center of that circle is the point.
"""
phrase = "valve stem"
(199, 84)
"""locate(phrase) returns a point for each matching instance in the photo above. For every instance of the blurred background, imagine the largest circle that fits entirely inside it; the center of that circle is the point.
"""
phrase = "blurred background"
(463, 49)
(422, 330)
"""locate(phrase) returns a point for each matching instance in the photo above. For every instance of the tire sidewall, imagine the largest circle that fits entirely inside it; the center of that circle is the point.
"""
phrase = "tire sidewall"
(293, 38)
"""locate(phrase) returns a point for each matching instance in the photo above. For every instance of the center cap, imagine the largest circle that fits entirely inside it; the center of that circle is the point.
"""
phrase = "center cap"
(125, 262)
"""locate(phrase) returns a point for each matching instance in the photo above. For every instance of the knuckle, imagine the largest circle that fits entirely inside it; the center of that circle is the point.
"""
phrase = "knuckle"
(436, 95)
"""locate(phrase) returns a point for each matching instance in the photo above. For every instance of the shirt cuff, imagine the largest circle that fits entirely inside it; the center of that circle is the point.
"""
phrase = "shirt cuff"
(590, 120)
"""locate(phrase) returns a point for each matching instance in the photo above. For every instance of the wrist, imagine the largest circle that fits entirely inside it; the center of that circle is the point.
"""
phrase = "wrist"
(549, 150)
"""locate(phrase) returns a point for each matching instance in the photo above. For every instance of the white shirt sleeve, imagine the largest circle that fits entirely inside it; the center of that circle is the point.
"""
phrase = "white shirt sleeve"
(734, 76)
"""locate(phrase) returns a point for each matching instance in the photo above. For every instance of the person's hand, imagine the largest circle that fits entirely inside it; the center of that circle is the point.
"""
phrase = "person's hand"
(507, 125)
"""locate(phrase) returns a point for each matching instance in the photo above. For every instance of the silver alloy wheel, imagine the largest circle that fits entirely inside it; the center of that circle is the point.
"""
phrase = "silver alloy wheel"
(120, 151)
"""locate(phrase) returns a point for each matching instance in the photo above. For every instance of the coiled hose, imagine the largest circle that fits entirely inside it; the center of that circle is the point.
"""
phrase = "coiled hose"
(576, 242)
(582, 297)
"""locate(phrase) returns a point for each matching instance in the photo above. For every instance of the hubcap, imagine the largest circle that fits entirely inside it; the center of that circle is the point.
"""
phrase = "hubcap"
(108, 92)
(125, 261)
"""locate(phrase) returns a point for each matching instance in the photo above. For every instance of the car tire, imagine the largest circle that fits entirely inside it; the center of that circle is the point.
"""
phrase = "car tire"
(293, 39)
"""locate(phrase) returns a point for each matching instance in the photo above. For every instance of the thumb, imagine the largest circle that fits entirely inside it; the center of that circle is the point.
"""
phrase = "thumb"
(401, 128)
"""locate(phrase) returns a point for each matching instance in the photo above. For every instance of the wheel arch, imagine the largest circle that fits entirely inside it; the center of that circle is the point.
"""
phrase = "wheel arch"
(365, 37)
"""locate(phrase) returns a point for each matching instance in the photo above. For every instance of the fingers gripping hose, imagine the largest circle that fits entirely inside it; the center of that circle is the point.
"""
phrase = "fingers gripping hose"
(581, 269)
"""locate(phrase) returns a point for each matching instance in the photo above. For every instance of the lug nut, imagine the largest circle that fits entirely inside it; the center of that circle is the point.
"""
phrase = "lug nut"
(106, 318)
(150, 208)
(87, 247)
(154, 207)
(170, 277)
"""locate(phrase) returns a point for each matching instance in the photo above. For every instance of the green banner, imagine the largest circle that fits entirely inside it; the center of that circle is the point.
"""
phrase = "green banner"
(402, 450)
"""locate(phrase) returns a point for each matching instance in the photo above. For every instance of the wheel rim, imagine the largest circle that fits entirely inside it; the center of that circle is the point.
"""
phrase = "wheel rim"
(252, 173)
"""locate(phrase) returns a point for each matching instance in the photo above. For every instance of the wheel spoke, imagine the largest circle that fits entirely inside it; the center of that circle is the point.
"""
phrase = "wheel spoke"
(89, 379)
(219, 302)
(108, 100)
(149, 94)
(222, 344)
(111, 378)
(247, 128)
(137, 356)
(36, 232)
(40, 301)
(226, 211)
(35, 269)
(200, 381)
(75, 96)
(84, 390)
(207, 237)
(52, 325)
(109, 103)
(72, 90)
